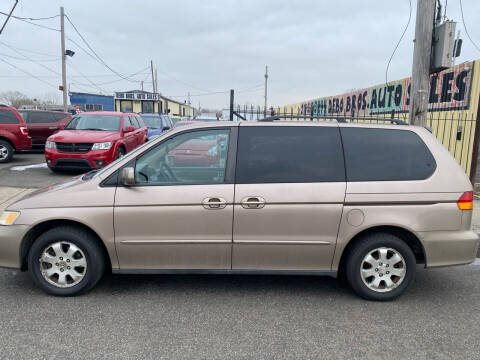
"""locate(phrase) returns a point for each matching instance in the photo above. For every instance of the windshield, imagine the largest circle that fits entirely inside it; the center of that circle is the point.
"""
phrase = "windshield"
(152, 122)
(95, 122)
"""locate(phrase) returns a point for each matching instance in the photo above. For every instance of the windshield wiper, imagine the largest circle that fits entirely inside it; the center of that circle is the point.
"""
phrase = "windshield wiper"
(91, 129)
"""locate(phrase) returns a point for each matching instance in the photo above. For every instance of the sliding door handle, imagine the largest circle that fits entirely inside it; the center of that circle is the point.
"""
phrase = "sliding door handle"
(253, 202)
(214, 203)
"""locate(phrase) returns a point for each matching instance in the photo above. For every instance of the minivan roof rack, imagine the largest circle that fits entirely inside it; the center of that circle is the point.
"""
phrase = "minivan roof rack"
(340, 119)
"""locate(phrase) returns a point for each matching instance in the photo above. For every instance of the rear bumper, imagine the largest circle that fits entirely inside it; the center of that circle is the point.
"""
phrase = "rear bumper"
(23, 143)
(10, 241)
(445, 248)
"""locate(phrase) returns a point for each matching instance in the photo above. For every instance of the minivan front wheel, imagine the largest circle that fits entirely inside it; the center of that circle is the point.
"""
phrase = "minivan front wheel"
(380, 267)
(66, 261)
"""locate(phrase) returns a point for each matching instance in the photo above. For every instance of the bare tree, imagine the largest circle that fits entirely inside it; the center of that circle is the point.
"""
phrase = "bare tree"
(49, 98)
(15, 98)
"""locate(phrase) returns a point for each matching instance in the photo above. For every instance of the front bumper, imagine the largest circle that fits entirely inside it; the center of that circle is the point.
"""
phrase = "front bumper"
(445, 248)
(78, 161)
(10, 242)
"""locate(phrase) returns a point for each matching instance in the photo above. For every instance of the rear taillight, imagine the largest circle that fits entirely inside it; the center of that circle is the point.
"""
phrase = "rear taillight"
(465, 202)
(24, 130)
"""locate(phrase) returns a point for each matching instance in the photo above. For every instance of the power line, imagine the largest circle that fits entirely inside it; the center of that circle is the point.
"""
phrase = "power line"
(94, 53)
(33, 52)
(30, 59)
(465, 27)
(399, 41)
(86, 78)
(26, 72)
(32, 23)
(29, 18)
(183, 82)
(244, 90)
(18, 58)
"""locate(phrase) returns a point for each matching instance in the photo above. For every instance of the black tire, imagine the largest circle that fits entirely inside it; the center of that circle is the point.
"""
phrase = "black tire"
(120, 152)
(363, 247)
(7, 151)
(86, 242)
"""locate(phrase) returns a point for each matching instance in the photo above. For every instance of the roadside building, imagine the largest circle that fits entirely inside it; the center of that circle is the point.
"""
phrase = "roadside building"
(137, 101)
(92, 102)
(177, 108)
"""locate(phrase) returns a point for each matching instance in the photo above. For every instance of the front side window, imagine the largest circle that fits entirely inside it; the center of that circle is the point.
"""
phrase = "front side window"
(95, 122)
(8, 117)
(386, 155)
(284, 154)
(196, 157)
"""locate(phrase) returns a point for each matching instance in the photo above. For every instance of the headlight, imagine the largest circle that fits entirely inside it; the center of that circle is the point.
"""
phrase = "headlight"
(102, 146)
(50, 145)
(8, 217)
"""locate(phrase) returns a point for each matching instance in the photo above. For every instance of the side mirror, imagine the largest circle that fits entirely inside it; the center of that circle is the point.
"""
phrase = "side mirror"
(128, 176)
(165, 128)
(129, 128)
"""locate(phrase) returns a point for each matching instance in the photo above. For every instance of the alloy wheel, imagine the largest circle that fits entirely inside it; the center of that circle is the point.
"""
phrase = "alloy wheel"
(63, 264)
(3, 152)
(383, 269)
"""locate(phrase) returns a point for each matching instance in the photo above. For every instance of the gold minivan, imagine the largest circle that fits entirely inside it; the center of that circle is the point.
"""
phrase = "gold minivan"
(310, 198)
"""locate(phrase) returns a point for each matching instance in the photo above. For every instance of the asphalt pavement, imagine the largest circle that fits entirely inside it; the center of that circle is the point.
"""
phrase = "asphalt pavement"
(29, 169)
(241, 317)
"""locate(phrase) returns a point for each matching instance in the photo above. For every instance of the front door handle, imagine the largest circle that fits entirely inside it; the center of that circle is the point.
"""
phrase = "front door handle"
(214, 203)
(53, 127)
(253, 202)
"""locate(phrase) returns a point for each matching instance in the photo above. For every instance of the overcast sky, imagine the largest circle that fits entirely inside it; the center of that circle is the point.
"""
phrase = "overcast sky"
(312, 48)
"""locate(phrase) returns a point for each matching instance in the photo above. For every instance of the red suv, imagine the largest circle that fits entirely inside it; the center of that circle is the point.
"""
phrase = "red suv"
(13, 133)
(41, 124)
(94, 139)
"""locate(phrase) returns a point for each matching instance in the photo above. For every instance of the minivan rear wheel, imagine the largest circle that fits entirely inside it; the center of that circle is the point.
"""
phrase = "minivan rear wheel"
(6, 151)
(66, 261)
(380, 267)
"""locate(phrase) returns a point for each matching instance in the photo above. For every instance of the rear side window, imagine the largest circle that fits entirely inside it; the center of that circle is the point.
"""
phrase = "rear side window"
(40, 117)
(8, 117)
(289, 155)
(385, 155)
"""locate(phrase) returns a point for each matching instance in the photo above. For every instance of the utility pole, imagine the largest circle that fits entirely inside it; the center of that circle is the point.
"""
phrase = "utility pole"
(188, 98)
(142, 85)
(266, 79)
(156, 81)
(8, 16)
(64, 60)
(153, 76)
(232, 99)
(422, 53)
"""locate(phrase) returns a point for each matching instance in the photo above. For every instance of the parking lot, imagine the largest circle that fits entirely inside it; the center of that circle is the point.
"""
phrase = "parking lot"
(218, 317)
(156, 317)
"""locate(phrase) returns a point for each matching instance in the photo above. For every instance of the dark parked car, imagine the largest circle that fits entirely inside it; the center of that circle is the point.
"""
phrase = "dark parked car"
(13, 133)
(41, 124)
